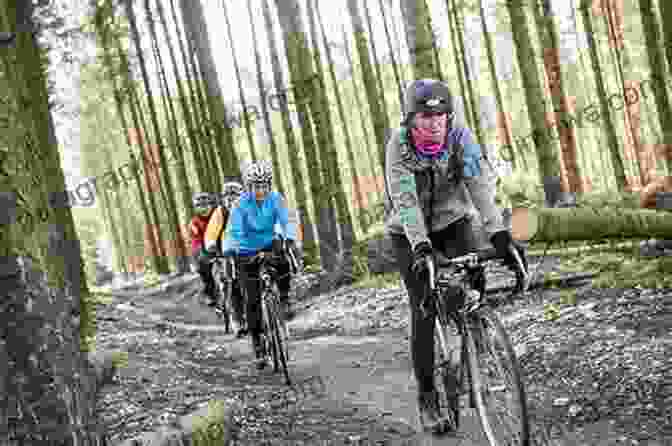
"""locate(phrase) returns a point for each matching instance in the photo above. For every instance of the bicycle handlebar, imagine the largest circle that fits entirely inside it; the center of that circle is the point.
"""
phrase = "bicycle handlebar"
(474, 258)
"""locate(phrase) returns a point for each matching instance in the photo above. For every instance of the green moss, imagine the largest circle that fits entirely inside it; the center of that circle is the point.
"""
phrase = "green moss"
(551, 312)
(209, 430)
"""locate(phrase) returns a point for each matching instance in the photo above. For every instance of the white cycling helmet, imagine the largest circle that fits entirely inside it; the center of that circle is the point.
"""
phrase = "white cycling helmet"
(204, 200)
(258, 173)
(231, 193)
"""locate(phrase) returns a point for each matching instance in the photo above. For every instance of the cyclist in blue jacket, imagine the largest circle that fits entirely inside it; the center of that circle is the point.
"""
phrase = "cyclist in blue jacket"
(260, 222)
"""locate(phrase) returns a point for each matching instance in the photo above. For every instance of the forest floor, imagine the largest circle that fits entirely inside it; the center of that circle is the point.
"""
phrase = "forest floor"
(594, 372)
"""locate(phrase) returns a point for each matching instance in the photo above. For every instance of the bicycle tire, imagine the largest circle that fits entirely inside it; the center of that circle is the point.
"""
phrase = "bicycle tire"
(476, 341)
(450, 380)
(269, 340)
(228, 305)
(222, 307)
(277, 334)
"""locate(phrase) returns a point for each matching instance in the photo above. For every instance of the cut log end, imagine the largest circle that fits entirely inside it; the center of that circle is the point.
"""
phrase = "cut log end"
(524, 224)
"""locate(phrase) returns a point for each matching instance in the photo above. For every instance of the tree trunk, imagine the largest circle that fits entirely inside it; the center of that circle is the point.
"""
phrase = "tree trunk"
(470, 73)
(264, 106)
(460, 65)
(547, 151)
(614, 21)
(309, 242)
(173, 135)
(330, 164)
(186, 114)
(654, 40)
(300, 64)
(181, 256)
(368, 149)
(113, 228)
(359, 199)
(241, 92)
(395, 66)
(398, 35)
(608, 126)
(419, 39)
(435, 45)
(159, 260)
(503, 117)
(198, 142)
(376, 62)
(49, 389)
(378, 118)
(570, 171)
(197, 35)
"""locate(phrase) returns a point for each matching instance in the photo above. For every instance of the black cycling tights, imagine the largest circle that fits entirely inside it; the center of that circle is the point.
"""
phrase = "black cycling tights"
(249, 278)
(457, 239)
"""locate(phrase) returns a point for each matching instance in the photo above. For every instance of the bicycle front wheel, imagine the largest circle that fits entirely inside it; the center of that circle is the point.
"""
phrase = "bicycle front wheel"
(447, 369)
(496, 381)
(280, 341)
(271, 347)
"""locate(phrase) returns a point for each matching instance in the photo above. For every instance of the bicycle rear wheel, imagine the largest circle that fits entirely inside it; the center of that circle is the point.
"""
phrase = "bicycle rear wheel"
(496, 381)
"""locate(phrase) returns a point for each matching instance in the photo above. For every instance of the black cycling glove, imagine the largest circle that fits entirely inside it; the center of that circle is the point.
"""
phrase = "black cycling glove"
(502, 241)
(422, 257)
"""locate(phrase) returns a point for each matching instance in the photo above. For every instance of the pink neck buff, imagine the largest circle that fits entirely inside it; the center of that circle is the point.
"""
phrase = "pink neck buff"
(429, 133)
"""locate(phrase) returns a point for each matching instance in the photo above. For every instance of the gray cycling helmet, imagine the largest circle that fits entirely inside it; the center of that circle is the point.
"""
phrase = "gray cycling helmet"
(258, 173)
(428, 96)
(231, 193)
(204, 200)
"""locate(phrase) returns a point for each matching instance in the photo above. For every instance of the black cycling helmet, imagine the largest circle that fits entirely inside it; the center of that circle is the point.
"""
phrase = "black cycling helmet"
(428, 96)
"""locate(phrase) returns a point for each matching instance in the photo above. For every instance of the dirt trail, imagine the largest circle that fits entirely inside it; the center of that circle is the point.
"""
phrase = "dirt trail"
(349, 361)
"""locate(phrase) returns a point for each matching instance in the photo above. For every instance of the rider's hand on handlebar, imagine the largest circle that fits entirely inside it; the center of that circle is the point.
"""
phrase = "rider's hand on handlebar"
(422, 257)
(506, 247)
(504, 244)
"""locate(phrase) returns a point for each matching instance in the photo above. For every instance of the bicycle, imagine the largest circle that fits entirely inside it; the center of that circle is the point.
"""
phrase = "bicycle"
(462, 305)
(225, 273)
(275, 335)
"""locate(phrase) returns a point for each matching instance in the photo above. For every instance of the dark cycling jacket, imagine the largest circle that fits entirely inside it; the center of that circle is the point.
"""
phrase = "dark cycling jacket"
(431, 194)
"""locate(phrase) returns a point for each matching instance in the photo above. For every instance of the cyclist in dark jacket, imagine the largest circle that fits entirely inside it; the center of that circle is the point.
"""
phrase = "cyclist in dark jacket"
(434, 172)
(204, 205)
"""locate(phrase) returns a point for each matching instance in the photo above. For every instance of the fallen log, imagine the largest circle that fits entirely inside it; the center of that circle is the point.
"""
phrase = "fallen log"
(552, 225)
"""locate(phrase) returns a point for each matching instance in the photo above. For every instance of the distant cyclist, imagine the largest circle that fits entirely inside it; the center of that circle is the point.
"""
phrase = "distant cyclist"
(258, 223)
(204, 206)
(434, 170)
(213, 240)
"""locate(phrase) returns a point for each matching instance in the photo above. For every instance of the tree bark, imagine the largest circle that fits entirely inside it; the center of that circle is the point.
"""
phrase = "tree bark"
(378, 118)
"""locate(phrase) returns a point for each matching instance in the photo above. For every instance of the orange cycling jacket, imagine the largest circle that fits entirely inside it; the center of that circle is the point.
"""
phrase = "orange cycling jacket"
(216, 226)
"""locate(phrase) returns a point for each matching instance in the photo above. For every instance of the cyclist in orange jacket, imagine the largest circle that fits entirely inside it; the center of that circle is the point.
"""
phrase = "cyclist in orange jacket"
(213, 240)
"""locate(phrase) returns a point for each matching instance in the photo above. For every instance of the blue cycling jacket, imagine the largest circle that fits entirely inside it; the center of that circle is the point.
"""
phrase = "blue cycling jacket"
(253, 226)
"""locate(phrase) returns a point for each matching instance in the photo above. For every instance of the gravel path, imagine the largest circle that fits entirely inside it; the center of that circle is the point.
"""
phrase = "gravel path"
(594, 375)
